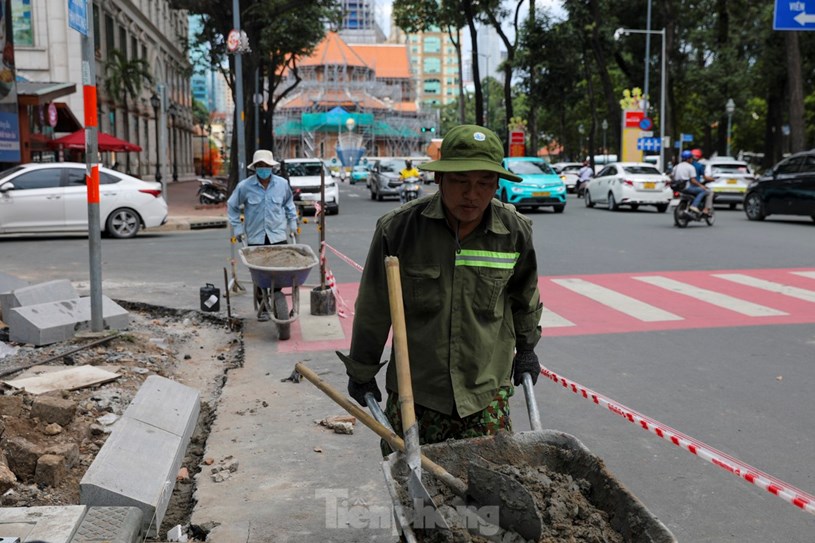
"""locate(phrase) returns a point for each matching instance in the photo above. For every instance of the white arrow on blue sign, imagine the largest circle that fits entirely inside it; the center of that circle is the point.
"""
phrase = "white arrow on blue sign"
(793, 15)
(648, 144)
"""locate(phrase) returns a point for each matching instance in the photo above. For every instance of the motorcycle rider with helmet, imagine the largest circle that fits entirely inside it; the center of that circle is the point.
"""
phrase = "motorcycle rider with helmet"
(686, 171)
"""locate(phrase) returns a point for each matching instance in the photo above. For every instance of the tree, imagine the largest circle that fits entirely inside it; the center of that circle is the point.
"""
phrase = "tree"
(279, 31)
(125, 79)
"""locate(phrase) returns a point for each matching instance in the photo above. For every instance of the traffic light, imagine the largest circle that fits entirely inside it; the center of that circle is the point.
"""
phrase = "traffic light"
(428, 129)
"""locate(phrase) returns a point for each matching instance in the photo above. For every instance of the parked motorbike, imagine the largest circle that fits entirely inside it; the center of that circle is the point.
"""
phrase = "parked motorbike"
(683, 214)
(410, 190)
(211, 191)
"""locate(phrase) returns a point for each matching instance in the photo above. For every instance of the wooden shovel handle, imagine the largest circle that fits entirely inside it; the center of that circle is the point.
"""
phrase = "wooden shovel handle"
(455, 484)
(397, 306)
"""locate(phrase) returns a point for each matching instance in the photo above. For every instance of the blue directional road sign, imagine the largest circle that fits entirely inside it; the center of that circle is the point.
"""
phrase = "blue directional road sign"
(648, 144)
(687, 138)
(794, 15)
(78, 15)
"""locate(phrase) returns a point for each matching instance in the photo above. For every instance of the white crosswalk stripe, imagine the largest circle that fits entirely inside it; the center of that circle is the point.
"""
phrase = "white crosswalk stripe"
(810, 274)
(771, 286)
(711, 297)
(617, 301)
(550, 319)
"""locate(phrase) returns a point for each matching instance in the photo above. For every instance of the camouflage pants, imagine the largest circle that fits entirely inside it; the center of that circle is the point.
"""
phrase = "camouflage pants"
(435, 427)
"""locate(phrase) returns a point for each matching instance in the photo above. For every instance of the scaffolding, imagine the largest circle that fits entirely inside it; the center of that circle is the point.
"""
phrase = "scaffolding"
(315, 119)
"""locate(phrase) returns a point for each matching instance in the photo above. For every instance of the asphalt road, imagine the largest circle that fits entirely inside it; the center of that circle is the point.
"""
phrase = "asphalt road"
(746, 389)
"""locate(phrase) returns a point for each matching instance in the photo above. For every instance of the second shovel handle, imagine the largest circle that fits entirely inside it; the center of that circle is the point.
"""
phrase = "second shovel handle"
(400, 347)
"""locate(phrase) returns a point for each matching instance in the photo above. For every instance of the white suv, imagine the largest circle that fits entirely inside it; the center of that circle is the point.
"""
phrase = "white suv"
(304, 178)
(731, 179)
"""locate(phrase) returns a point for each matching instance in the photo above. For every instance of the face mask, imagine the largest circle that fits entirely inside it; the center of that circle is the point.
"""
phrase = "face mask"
(263, 173)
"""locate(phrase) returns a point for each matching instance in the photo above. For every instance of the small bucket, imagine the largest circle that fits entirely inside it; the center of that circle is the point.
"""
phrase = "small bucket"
(210, 298)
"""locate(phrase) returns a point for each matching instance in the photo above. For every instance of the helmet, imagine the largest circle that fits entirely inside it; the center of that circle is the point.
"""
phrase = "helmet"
(697, 153)
(686, 155)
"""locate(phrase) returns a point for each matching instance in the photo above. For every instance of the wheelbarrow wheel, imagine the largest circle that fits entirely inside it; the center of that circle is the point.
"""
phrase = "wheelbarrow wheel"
(281, 311)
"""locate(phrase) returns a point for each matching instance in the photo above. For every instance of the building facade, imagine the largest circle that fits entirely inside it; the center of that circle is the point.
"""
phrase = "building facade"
(47, 50)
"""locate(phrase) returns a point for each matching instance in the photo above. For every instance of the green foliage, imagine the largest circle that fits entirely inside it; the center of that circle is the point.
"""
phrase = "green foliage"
(125, 78)
(200, 113)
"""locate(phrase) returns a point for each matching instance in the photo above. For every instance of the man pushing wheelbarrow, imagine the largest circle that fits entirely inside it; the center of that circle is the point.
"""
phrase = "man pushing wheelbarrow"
(270, 218)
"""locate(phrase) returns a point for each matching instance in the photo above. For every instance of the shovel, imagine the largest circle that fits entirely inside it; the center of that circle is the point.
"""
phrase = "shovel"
(410, 427)
(517, 509)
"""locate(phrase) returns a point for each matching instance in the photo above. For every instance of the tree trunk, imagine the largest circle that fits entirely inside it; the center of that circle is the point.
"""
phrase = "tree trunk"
(612, 104)
(126, 125)
(795, 88)
(479, 97)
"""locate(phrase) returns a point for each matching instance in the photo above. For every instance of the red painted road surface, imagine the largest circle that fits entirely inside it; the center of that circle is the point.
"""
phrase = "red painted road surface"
(576, 314)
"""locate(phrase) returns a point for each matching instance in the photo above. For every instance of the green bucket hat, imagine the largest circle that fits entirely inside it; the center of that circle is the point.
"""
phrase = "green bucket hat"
(470, 147)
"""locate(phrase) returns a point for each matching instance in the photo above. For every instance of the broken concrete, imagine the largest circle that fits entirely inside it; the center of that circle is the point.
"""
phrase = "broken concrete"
(50, 409)
(43, 324)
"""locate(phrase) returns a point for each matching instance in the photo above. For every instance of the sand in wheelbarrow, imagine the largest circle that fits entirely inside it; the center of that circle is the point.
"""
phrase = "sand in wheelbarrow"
(567, 513)
(273, 256)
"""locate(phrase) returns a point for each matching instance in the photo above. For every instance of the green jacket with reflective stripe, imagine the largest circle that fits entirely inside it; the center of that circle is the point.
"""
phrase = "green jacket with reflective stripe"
(466, 307)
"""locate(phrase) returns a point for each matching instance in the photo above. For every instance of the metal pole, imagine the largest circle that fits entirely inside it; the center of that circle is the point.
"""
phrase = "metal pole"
(236, 22)
(158, 161)
(175, 148)
(92, 174)
(162, 94)
(729, 125)
(322, 226)
(647, 56)
(662, 92)
(256, 100)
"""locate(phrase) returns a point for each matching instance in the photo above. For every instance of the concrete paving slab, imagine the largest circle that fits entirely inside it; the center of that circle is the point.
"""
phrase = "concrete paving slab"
(167, 405)
(43, 324)
(137, 467)
(110, 525)
(8, 283)
(320, 327)
(284, 490)
(40, 293)
(51, 524)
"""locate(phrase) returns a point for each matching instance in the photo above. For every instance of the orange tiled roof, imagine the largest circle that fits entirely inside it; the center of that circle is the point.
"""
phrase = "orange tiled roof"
(406, 107)
(332, 51)
(387, 60)
(331, 98)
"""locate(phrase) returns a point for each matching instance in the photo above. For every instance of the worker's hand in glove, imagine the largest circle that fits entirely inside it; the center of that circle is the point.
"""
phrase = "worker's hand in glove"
(358, 391)
(240, 237)
(525, 362)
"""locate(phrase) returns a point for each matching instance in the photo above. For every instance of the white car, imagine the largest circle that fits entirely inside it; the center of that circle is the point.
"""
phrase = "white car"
(52, 197)
(731, 178)
(568, 172)
(629, 183)
(304, 177)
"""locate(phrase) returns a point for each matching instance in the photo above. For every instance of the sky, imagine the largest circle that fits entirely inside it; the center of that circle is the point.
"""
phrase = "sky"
(383, 10)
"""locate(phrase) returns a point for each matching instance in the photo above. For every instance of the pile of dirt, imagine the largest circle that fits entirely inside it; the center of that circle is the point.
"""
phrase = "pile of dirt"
(191, 348)
(279, 256)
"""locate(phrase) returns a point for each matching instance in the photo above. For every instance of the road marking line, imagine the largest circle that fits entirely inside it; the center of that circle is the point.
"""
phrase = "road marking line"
(550, 319)
(809, 274)
(771, 286)
(619, 302)
(711, 297)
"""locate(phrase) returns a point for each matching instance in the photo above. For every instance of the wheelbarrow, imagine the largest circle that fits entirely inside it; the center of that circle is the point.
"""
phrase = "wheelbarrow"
(279, 266)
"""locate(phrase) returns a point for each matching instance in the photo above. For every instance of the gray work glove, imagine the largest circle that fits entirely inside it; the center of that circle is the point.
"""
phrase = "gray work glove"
(240, 237)
(358, 391)
(525, 362)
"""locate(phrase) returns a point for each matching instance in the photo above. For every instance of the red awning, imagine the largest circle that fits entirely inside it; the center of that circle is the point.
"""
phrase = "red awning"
(106, 142)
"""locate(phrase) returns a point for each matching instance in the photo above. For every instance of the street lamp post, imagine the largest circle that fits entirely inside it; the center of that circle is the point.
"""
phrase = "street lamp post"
(582, 130)
(604, 125)
(172, 111)
(155, 101)
(662, 86)
(730, 107)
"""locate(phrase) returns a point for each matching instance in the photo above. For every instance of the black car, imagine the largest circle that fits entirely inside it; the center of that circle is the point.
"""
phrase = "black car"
(789, 189)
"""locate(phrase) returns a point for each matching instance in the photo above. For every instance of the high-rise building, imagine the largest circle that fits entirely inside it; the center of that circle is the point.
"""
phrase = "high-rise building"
(434, 63)
(359, 22)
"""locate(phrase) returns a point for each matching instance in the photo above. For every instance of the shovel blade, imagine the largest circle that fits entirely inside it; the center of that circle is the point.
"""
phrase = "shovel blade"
(517, 511)
(426, 515)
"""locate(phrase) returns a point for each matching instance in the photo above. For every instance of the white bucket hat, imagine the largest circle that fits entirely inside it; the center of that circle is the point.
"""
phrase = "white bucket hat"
(262, 156)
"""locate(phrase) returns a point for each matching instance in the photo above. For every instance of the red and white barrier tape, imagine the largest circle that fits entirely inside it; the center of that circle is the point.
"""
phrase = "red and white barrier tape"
(786, 492)
(344, 258)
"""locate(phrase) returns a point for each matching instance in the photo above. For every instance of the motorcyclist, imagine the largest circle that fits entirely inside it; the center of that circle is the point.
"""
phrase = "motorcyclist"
(409, 171)
(584, 176)
(702, 178)
(686, 171)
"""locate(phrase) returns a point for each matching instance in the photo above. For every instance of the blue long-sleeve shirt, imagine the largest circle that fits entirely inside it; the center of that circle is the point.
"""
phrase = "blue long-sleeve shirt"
(267, 212)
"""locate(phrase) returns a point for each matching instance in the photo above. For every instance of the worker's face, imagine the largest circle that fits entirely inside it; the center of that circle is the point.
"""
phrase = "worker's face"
(466, 195)
(264, 172)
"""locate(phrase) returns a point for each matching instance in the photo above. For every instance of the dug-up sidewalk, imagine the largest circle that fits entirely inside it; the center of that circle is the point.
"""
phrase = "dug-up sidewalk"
(186, 213)
(295, 480)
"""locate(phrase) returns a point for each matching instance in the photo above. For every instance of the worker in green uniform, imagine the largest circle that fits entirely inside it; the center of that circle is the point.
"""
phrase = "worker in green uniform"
(470, 286)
